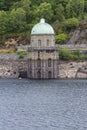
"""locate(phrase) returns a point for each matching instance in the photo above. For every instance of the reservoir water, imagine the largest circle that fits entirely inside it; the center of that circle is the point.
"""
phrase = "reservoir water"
(43, 104)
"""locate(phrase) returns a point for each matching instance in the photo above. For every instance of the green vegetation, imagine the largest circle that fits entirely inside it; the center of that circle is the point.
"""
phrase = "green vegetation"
(21, 54)
(61, 38)
(66, 54)
(19, 16)
(70, 24)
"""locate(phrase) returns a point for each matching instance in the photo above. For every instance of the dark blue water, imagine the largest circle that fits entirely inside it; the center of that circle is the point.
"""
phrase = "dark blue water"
(43, 105)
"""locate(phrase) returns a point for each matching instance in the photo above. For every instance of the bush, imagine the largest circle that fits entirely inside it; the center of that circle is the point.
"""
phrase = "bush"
(61, 38)
(77, 52)
(83, 57)
(65, 54)
(21, 54)
(75, 57)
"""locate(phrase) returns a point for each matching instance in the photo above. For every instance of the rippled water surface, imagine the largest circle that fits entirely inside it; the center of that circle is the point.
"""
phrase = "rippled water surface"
(43, 104)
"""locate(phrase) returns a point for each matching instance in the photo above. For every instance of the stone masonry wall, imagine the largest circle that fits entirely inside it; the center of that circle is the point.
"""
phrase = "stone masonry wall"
(71, 69)
(12, 68)
(43, 55)
(43, 38)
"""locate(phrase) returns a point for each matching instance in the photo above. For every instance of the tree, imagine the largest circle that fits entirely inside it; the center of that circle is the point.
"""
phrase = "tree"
(74, 8)
(59, 12)
(22, 15)
(2, 5)
(16, 5)
(26, 5)
(17, 20)
(63, 2)
(45, 10)
(85, 6)
(3, 24)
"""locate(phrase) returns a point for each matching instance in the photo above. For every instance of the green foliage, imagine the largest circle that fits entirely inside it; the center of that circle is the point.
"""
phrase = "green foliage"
(77, 52)
(61, 38)
(3, 22)
(17, 20)
(85, 5)
(19, 16)
(2, 4)
(66, 54)
(71, 23)
(21, 54)
(74, 8)
(58, 11)
(3, 25)
(45, 10)
(26, 5)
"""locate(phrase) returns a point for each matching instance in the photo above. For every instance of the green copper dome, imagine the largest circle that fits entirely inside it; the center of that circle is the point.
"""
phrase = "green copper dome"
(42, 28)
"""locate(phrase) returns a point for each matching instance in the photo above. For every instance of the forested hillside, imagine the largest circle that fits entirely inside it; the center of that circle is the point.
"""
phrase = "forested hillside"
(17, 17)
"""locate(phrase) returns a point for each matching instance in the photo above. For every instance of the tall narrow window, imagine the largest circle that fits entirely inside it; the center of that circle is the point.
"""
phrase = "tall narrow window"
(38, 63)
(39, 43)
(48, 42)
(49, 62)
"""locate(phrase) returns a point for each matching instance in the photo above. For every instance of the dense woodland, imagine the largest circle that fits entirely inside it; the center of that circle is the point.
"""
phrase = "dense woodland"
(17, 17)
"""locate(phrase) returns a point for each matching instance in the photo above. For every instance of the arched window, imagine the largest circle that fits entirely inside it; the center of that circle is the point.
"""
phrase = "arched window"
(39, 43)
(49, 62)
(39, 63)
(49, 74)
(38, 74)
(48, 42)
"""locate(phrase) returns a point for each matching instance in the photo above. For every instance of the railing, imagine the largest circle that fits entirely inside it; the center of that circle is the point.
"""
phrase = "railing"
(42, 48)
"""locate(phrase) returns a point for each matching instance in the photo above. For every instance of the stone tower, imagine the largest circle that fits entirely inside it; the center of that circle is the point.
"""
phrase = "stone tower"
(43, 56)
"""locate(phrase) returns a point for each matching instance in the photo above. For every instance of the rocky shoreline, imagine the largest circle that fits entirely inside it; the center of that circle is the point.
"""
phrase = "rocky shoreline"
(73, 69)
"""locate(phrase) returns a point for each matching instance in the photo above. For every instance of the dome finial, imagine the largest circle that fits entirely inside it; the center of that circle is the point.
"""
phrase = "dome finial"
(42, 20)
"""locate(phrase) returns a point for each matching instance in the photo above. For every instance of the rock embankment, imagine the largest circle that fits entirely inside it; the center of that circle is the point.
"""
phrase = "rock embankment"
(73, 69)
(11, 66)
